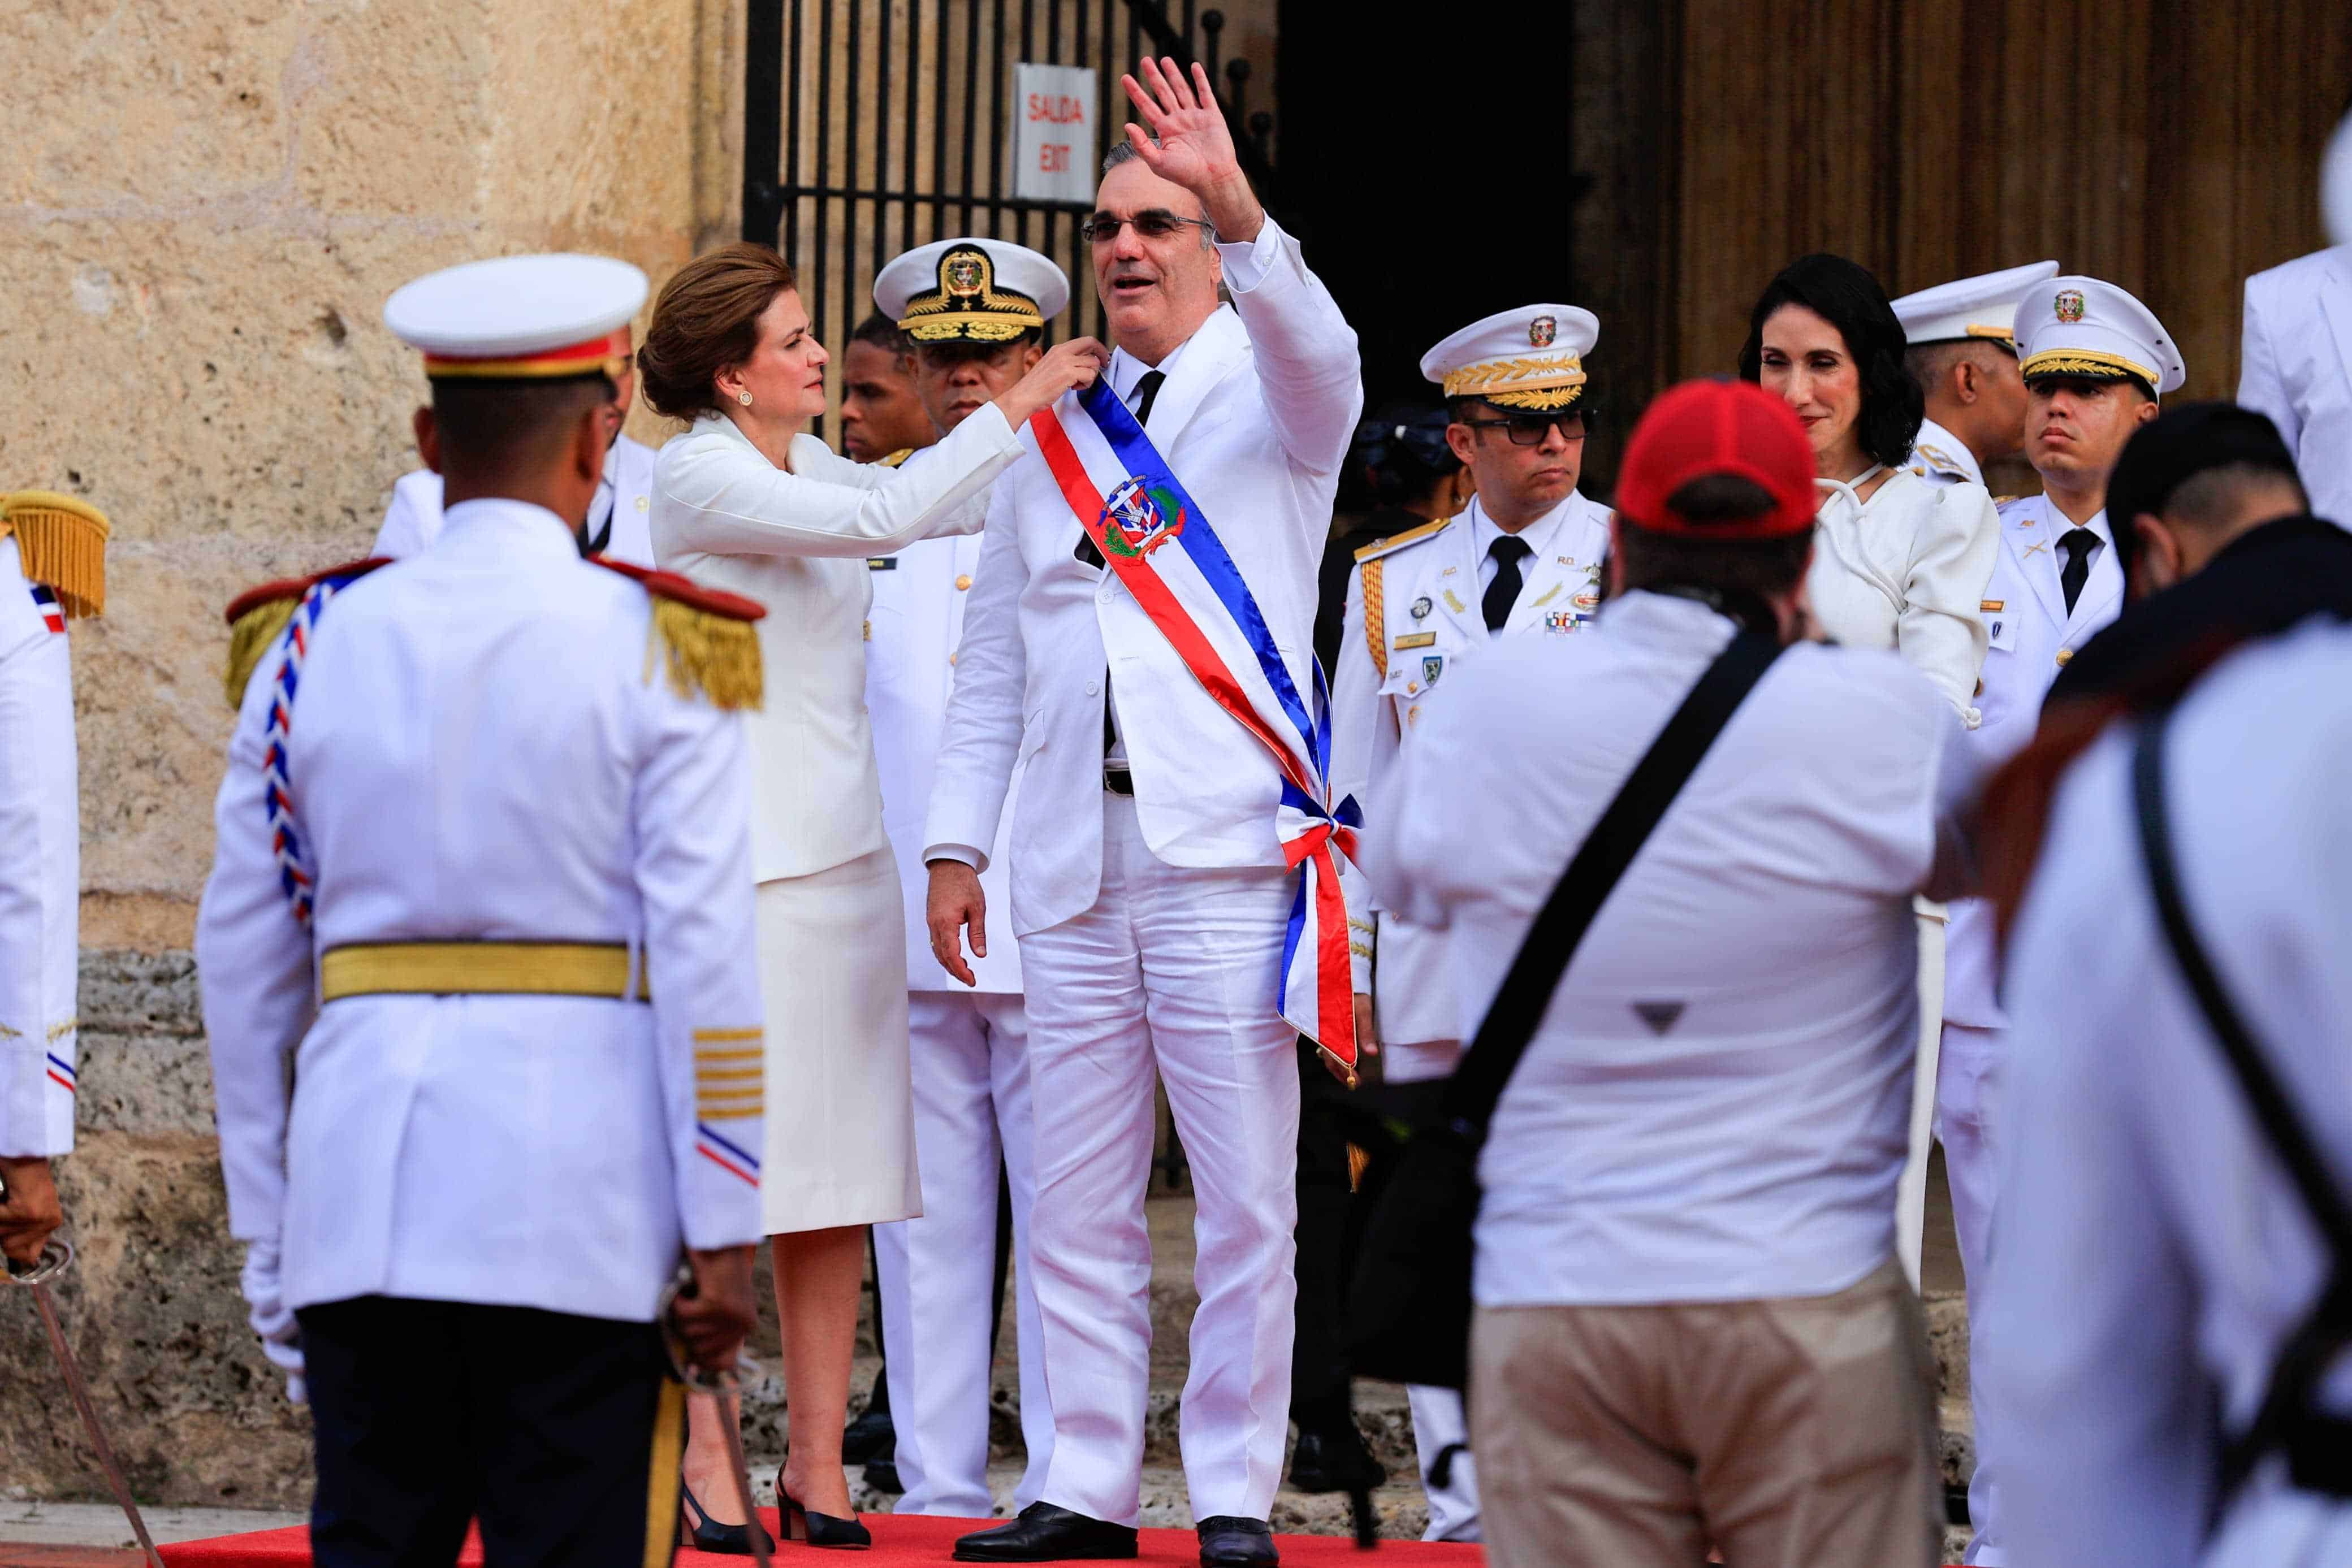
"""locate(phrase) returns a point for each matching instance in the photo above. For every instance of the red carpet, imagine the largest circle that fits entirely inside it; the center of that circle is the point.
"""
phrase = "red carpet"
(895, 1541)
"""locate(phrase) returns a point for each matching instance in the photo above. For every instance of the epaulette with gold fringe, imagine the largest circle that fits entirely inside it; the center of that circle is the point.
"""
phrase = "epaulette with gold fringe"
(1379, 547)
(257, 615)
(706, 634)
(61, 544)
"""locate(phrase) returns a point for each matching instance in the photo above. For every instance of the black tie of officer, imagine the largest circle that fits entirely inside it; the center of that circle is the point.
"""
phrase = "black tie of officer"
(2076, 544)
(1503, 592)
(1147, 388)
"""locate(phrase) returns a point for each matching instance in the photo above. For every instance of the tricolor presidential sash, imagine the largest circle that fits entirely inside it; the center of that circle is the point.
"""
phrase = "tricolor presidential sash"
(1160, 543)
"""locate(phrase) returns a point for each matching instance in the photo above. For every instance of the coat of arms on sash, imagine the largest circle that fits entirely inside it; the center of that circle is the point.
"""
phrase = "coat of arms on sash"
(1138, 518)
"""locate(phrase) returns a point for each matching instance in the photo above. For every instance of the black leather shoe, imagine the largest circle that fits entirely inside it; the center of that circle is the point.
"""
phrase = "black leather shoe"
(1227, 1541)
(1336, 1460)
(820, 1529)
(1044, 1534)
(873, 1436)
(882, 1475)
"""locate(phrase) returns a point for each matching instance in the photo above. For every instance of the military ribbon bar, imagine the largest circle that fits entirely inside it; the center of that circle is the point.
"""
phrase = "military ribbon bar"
(1160, 545)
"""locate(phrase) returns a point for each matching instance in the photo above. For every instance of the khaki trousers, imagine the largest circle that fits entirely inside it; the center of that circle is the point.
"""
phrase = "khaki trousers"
(1792, 1433)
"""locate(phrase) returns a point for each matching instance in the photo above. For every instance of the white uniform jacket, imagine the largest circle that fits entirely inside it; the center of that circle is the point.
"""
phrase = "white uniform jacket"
(413, 521)
(2165, 1257)
(2297, 368)
(478, 750)
(919, 595)
(1255, 418)
(798, 542)
(1942, 459)
(40, 869)
(1904, 571)
(2031, 637)
(1398, 647)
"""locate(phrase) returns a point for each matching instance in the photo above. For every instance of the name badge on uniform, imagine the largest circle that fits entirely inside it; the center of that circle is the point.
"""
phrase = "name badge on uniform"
(1416, 640)
(882, 563)
(1992, 605)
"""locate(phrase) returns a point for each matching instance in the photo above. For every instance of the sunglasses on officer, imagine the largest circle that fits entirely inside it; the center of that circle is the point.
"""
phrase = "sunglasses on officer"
(1529, 429)
(1153, 222)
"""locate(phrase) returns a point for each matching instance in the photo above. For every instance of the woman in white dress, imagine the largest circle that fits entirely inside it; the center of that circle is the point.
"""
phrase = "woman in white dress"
(1897, 562)
(747, 500)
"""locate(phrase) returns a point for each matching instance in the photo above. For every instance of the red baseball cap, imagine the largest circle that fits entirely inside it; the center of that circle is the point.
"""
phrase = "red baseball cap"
(1704, 428)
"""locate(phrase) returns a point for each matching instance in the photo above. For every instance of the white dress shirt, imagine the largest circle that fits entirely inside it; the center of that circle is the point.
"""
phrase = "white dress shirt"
(1537, 536)
(2163, 1258)
(477, 752)
(1906, 571)
(1715, 1107)
(624, 497)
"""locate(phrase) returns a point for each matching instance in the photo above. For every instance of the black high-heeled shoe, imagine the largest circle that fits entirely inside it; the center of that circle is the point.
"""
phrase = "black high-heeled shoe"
(815, 1529)
(706, 1534)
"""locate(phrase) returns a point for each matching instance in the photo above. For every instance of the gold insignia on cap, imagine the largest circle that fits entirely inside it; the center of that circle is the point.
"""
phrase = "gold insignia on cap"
(1541, 383)
(2083, 362)
(968, 305)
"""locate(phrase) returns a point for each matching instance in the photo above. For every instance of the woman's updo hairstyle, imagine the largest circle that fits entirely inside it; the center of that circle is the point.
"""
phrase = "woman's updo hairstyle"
(707, 320)
(1847, 297)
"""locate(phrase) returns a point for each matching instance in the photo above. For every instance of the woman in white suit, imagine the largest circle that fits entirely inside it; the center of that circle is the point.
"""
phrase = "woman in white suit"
(746, 499)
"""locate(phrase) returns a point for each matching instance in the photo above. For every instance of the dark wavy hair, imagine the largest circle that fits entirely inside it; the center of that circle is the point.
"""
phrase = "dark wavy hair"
(1847, 297)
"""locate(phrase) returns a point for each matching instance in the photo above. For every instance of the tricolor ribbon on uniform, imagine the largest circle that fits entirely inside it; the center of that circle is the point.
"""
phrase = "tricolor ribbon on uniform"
(1160, 545)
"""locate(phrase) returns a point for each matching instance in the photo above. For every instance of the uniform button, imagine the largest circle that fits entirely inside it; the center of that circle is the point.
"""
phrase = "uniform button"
(1093, 687)
(964, 581)
(2065, 654)
(951, 658)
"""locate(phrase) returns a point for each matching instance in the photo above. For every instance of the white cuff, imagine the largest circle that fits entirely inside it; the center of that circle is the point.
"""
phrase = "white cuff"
(1247, 261)
(963, 853)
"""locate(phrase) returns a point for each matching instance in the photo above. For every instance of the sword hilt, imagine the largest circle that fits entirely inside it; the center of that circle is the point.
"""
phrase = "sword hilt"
(55, 1258)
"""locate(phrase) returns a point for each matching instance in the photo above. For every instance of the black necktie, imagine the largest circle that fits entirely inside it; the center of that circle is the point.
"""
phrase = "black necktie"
(2076, 543)
(1503, 592)
(597, 531)
(1147, 388)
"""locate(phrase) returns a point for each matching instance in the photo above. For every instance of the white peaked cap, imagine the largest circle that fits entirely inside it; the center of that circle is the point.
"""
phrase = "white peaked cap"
(2084, 327)
(1981, 307)
(975, 290)
(522, 317)
(1530, 358)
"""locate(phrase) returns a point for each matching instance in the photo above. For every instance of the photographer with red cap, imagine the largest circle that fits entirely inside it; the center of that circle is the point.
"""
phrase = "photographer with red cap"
(1691, 1327)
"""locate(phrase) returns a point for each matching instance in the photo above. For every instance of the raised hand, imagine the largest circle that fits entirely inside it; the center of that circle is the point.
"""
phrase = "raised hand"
(1195, 147)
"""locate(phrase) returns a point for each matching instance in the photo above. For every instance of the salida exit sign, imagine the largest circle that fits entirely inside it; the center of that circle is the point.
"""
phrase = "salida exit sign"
(1054, 133)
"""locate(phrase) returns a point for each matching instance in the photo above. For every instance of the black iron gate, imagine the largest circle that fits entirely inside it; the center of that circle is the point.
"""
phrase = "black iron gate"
(875, 126)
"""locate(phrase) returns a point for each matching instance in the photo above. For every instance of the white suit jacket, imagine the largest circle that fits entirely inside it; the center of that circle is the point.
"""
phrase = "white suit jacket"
(798, 542)
(1430, 626)
(919, 597)
(1255, 418)
(40, 878)
(2031, 637)
(2297, 368)
(413, 521)
(477, 752)
(1904, 570)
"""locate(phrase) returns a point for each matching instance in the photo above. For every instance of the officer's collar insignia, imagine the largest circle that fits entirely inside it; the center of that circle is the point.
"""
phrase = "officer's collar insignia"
(968, 303)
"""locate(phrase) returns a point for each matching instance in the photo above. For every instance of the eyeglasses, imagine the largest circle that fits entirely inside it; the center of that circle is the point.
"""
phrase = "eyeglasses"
(1103, 228)
(1529, 429)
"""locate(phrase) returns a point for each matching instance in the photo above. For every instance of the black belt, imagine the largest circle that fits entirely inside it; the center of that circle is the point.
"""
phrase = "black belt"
(1119, 781)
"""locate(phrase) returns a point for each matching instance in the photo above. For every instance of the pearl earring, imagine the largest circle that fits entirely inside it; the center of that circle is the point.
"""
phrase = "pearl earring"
(744, 398)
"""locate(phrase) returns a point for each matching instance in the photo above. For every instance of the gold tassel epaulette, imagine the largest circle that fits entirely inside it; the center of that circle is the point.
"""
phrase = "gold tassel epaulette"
(705, 636)
(256, 616)
(61, 544)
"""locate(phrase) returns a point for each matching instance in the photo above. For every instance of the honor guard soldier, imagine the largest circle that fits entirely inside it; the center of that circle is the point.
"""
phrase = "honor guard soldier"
(2094, 360)
(52, 570)
(1522, 560)
(1960, 347)
(616, 521)
(477, 968)
(975, 311)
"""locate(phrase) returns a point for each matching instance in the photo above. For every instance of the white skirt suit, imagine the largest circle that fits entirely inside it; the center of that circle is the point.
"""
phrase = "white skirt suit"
(833, 958)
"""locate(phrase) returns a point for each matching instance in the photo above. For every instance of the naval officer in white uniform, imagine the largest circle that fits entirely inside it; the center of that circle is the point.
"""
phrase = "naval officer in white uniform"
(2094, 360)
(974, 310)
(1960, 346)
(616, 524)
(1522, 560)
(480, 977)
(51, 569)
(1151, 891)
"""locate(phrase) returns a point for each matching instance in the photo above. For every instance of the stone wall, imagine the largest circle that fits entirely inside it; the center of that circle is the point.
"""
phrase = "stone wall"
(202, 205)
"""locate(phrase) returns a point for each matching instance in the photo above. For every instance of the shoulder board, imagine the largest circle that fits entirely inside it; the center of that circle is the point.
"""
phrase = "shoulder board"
(896, 457)
(705, 634)
(1398, 541)
(257, 615)
(2003, 503)
(61, 544)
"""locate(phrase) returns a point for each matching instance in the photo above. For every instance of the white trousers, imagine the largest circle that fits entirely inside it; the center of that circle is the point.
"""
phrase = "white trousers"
(1174, 968)
(936, 1274)
(1967, 1119)
(1911, 1190)
(1439, 1423)
(40, 873)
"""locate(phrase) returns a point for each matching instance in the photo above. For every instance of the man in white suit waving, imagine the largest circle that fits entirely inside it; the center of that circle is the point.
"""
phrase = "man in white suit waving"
(1152, 890)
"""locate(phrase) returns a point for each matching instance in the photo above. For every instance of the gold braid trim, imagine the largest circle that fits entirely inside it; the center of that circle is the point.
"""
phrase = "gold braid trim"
(718, 655)
(249, 637)
(2083, 362)
(1527, 375)
(1375, 625)
(62, 543)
